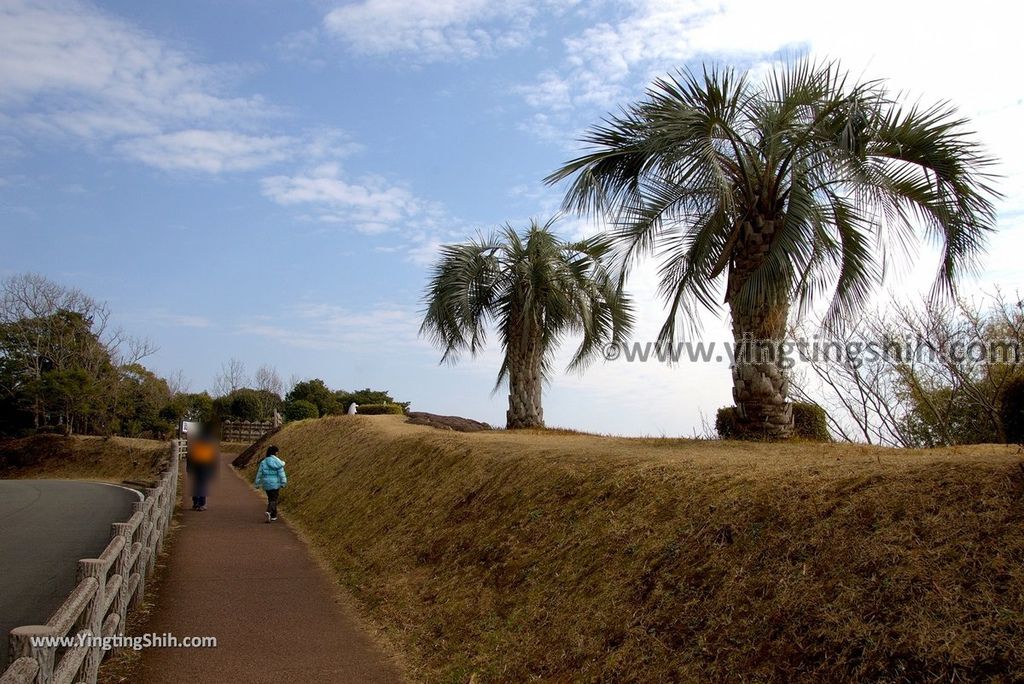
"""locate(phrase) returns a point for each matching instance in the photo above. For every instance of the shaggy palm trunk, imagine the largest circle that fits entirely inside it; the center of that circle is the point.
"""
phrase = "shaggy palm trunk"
(760, 382)
(525, 379)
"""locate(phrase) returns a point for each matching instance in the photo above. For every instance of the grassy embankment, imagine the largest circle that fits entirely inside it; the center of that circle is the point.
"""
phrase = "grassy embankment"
(114, 459)
(560, 557)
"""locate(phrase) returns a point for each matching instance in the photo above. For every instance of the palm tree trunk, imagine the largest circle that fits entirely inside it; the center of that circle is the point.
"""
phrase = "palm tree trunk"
(760, 380)
(525, 381)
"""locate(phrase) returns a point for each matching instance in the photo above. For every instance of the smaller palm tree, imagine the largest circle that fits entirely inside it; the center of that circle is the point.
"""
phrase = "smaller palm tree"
(535, 289)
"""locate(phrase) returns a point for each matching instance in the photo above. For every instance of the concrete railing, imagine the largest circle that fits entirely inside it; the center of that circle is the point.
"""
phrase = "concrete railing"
(109, 587)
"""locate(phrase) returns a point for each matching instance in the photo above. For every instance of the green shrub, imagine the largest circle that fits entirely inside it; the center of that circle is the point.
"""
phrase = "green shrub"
(300, 409)
(317, 393)
(378, 409)
(725, 423)
(366, 396)
(1012, 411)
(245, 405)
(810, 422)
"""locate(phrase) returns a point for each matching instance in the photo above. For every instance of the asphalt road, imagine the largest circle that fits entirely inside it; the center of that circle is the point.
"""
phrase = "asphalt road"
(45, 527)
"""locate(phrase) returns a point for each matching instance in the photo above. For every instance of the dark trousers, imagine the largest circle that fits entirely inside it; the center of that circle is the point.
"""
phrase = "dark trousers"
(200, 485)
(272, 502)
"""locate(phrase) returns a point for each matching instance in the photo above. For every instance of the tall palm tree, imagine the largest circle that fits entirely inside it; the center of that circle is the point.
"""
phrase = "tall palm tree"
(780, 193)
(535, 289)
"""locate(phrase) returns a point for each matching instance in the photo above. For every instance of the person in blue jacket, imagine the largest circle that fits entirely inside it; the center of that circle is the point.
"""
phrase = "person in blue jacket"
(271, 478)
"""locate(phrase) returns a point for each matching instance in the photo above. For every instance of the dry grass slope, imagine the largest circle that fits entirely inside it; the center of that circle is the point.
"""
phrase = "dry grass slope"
(530, 556)
(114, 459)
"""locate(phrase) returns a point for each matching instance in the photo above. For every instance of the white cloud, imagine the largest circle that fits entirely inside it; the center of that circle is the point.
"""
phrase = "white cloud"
(371, 204)
(326, 326)
(433, 30)
(216, 151)
(941, 52)
(303, 47)
(208, 151)
(85, 73)
(551, 91)
(70, 70)
(329, 143)
(611, 61)
(423, 252)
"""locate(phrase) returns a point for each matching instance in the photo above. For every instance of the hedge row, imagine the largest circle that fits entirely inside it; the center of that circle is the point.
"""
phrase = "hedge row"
(379, 409)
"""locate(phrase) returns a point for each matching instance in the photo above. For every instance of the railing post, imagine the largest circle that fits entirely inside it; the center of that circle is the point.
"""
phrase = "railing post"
(122, 568)
(172, 500)
(153, 529)
(159, 519)
(171, 484)
(142, 562)
(92, 616)
(21, 645)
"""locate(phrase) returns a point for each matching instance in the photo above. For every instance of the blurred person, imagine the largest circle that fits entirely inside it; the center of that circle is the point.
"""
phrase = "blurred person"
(201, 465)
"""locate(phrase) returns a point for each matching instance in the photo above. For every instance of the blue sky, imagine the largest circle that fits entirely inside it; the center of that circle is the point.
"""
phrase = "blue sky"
(269, 180)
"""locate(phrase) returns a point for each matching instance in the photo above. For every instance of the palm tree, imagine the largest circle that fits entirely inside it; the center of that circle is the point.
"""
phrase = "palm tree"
(780, 193)
(535, 289)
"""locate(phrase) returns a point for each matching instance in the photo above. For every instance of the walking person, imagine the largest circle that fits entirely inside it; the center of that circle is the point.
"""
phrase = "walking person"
(271, 478)
(201, 465)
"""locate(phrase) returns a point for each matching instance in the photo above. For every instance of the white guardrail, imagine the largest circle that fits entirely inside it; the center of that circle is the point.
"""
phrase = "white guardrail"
(109, 587)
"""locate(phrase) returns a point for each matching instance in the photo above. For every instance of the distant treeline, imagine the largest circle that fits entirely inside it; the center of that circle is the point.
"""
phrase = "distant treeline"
(63, 369)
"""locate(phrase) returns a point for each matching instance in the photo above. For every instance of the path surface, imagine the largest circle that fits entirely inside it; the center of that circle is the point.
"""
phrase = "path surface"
(46, 526)
(255, 587)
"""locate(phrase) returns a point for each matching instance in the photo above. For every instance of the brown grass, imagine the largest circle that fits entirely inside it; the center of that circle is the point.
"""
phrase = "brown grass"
(532, 556)
(114, 459)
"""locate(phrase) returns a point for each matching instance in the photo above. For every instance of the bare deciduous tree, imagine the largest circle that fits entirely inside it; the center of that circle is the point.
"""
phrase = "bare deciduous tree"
(232, 377)
(270, 386)
(177, 383)
(863, 402)
(267, 379)
(924, 376)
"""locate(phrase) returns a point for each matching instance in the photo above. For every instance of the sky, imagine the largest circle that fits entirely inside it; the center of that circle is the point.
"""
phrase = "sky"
(269, 180)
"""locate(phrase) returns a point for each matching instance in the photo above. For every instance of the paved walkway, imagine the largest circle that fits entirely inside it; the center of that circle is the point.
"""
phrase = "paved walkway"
(256, 588)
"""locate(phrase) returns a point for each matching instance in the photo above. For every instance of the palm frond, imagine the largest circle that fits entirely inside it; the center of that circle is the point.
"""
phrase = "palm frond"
(844, 171)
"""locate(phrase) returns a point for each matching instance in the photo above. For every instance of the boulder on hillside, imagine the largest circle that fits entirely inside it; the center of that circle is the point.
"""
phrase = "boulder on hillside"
(456, 423)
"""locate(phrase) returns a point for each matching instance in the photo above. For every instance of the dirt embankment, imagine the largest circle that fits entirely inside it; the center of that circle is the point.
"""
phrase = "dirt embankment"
(515, 556)
(115, 459)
